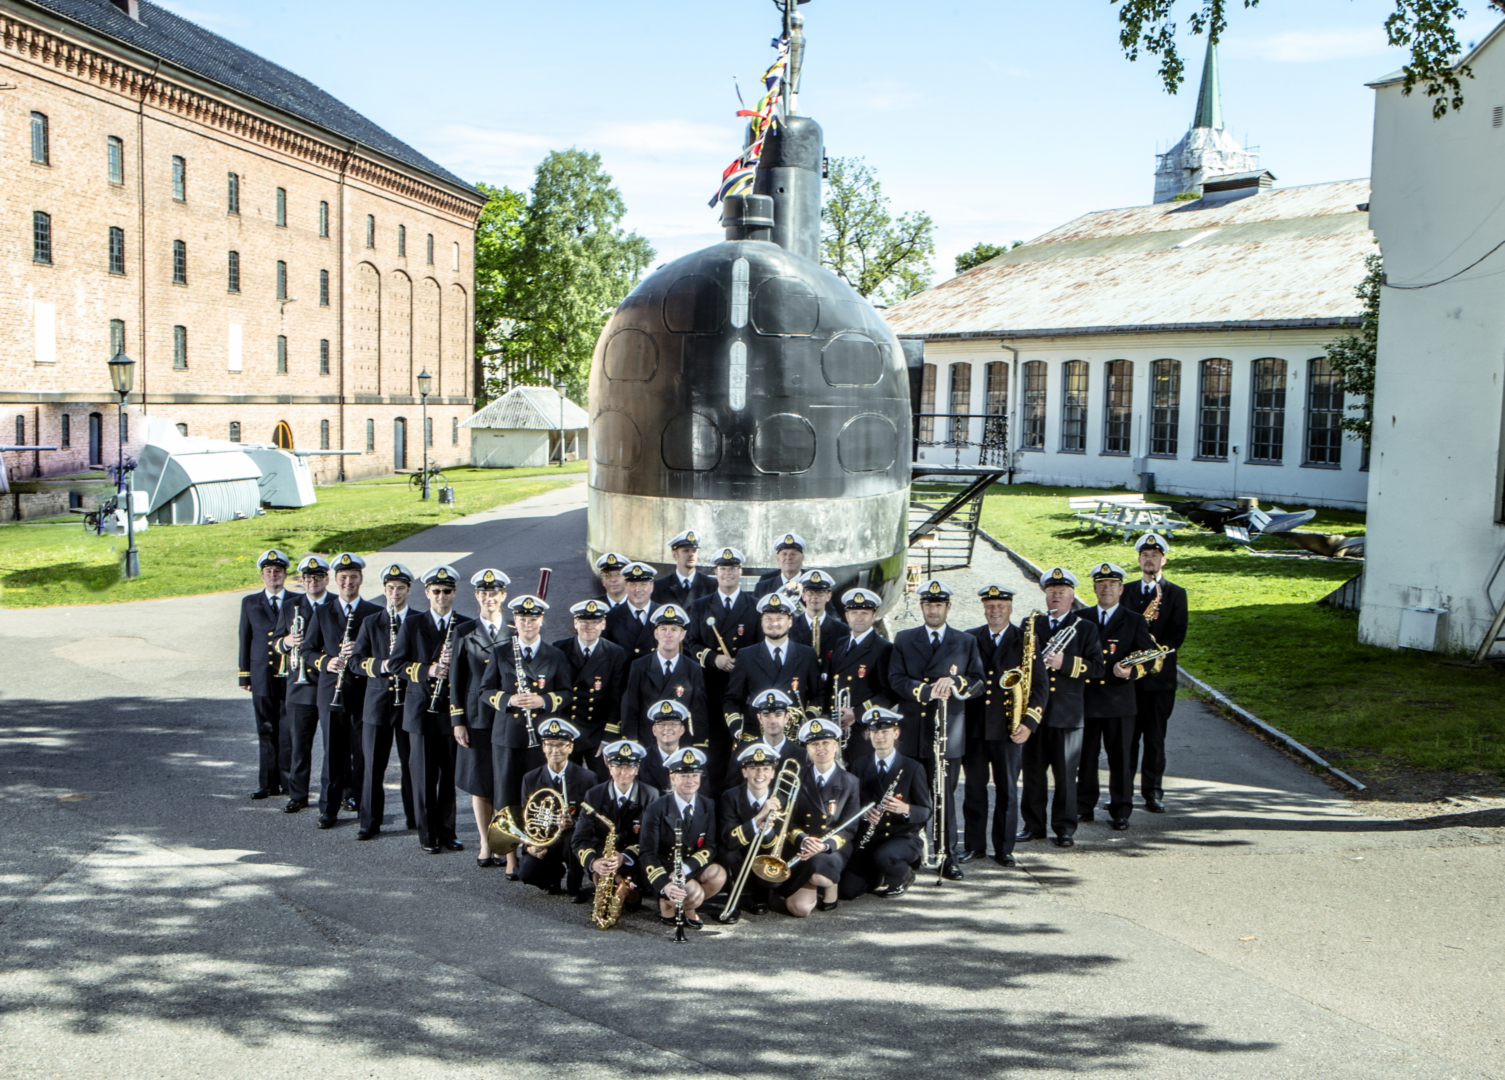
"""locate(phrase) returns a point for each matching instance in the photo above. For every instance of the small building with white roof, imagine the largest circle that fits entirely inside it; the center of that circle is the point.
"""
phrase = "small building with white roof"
(527, 426)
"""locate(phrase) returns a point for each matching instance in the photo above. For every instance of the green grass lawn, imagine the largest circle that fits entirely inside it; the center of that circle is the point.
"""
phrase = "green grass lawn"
(1258, 635)
(62, 564)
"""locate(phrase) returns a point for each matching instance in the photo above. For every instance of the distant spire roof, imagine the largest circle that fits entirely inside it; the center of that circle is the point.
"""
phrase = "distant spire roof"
(1209, 98)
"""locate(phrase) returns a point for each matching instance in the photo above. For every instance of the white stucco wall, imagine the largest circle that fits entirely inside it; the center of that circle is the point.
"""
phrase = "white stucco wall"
(494, 449)
(1434, 498)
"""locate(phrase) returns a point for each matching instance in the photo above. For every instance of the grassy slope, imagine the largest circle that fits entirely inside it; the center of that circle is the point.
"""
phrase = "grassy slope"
(61, 564)
(1258, 635)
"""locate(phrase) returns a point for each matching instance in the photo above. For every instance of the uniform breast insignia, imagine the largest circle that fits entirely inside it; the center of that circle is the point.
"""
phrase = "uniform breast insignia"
(953, 669)
(598, 682)
(831, 808)
(679, 691)
(540, 681)
(1112, 646)
(794, 685)
(862, 671)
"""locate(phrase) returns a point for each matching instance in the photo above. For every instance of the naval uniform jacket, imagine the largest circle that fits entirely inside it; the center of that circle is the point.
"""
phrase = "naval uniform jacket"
(798, 676)
(1126, 632)
(789, 750)
(833, 634)
(735, 814)
(1082, 660)
(473, 653)
(913, 788)
(548, 675)
(989, 713)
(739, 628)
(817, 810)
(622, 627)
(914, 666)
(306, 692)
(770, 582)
(862, 671)
(596, 687)
(372, 651)
(668, 590)
(655, 767)
(419, 644)
(321, 644)
(577, 781)
(698, 838)
(647, 684)
(261, 666)
(589, 840)
(1168, 629)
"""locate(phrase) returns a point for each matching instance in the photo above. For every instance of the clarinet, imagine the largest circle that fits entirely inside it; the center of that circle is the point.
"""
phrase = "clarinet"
(522, 685)
(338, 699)
(872, 830)
(397, 686)
(679, 879)
(441, 684)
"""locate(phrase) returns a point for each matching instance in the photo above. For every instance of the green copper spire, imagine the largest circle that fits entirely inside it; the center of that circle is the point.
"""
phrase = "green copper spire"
(1209, 99)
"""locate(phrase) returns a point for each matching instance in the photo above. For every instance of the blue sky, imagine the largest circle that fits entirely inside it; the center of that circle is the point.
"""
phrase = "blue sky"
(1001, 118)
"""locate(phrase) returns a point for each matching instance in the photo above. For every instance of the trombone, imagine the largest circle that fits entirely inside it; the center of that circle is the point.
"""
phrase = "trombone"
(785, 787)
(773, 869)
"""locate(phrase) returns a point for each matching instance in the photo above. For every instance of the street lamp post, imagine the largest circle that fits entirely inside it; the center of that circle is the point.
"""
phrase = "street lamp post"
(122, 375)
(425, 384)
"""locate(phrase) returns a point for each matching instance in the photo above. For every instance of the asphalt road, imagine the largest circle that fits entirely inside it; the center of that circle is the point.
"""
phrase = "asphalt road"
(155, 922)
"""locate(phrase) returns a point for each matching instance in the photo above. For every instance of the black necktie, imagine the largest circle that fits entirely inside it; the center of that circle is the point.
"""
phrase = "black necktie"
(728, 605)
(643, 617)
(668, 669)
(882, 770)
(935, 639)
(585, 654)
(688, 813)
(1053, 624)
(757, 805)
(778, 657)
(441, 627)
(491, 629)
(527, 654)
(276, 604)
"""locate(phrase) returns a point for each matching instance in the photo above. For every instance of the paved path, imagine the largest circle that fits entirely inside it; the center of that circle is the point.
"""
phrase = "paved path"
(154, 922)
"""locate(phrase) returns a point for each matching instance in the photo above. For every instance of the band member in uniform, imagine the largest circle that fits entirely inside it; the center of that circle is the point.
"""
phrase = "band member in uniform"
(425, 646)
(1108, 701)
(381, 718)
(722, 625)
(859, 665)
(1057, 744)
(544, 690)
(540, 866)
(261, 668)
(990, 744)
(329, 649)
(684, 584)
(743, 812)
(828, 796)
(598, 677)
(666, 673)
(931, 663)
(622, 800)
(667, 721)
(1163, 604)
(630, 624)
(300, 723)
(776, 663)
(815, 601)
(692, 817)
(887, 846)
(789, 553)
(772, 711)
(470, 715)
(609, 567)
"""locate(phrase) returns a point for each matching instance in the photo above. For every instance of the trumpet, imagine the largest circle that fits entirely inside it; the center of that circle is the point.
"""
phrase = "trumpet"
(840, 701)
(295, 664)
(545, 816)
(1147, 656)
(785, 787)
(1059, 641)
(773, 869)
(871, 829)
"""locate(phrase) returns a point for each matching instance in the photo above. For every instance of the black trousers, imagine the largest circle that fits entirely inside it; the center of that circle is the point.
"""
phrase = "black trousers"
(884, 862)
(342, 768)
(1001, 758)
(1149, 725)
(545, 872)
(1058, 752)
(508, 767)
(271, 767)
(431, 756)
(376, 752)
(1115, 734)
(303, 728)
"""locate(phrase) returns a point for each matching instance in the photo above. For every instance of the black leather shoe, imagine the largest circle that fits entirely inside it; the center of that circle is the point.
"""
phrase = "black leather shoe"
(1022, 835)
(1119, 824)
(968, 856)
(699, 924)
(367, 834)
(1083, 818)
(1005, 860)
(328, 822)
(351, 805)
(759, 909)
(825, 906)
(451, 845)
(486, 863)
(430, 849)
(584, 898)
(511, 874)
(1065, 841)
(262, 793)
(951, 872)
(294, 805)
(1154, 806)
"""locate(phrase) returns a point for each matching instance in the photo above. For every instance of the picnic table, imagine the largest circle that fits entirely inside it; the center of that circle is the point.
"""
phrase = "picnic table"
(1127, 514)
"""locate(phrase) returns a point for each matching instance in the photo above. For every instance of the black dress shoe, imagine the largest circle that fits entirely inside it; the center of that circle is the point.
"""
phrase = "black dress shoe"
(1083, 817)
(485, 863)
(451, 845)
(1005, 860)
(824, 905)
(294, 805)
(699, 924)
(430, 849)
(760, 908)
(1154, 806)
(1065, 841)
(328, 821)
(367, 834)
(893, 892)
(262, 793)
(511, 874)
(1119, 824)
(1025, 836)
(951, 872)
(968, 856)
(584, 898)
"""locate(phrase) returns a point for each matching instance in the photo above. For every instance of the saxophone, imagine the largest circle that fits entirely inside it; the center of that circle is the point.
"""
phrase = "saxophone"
(606, 908)
(1018, 681)
(1152, 610)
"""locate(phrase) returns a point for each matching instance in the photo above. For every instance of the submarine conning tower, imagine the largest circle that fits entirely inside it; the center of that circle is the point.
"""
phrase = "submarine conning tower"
(745, 391)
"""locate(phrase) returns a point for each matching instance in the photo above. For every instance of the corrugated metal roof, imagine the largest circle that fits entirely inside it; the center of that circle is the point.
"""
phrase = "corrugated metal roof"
(1294, 254)
(530, 408)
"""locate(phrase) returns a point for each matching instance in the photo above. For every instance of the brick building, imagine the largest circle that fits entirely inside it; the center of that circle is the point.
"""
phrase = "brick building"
(279, 267)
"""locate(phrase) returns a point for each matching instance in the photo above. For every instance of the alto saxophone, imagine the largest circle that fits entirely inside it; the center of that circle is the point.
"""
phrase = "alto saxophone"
(1019, 681)
(1152, 610)
(606, 907)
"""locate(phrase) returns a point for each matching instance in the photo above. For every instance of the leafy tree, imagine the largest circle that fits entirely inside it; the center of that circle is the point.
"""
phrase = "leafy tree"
(880, 256)
(1423, 26)
(1352, 357)
(499, 233)
(982, 253)
(555, 272)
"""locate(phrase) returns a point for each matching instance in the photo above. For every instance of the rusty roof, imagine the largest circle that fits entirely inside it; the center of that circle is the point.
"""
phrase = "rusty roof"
(1285, 257)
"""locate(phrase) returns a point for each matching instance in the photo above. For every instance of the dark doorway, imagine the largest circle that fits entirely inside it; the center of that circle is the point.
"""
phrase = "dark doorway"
(96, 439)
(399, 443)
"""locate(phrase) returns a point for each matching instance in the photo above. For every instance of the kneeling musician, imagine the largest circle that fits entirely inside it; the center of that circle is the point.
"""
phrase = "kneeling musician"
(744, 813)
(614, 811)
(543, 866)
(828, 798)
(888, 841)
(679, 843)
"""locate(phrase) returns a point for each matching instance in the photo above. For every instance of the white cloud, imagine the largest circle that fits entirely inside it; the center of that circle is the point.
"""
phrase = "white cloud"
(1309, 46)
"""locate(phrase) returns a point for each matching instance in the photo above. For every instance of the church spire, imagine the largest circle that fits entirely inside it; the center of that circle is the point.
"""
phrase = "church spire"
(1209, 97)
